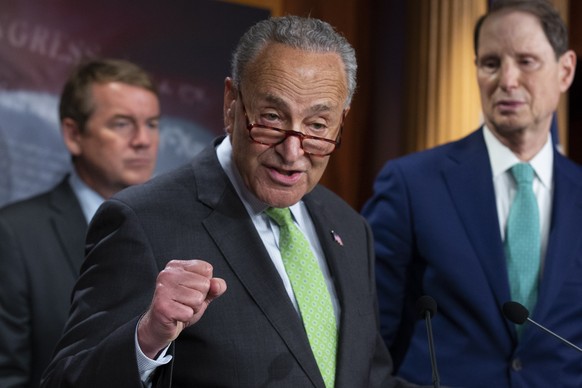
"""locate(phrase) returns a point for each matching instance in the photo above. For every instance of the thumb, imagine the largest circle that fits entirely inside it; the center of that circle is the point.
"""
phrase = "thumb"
(217, 288)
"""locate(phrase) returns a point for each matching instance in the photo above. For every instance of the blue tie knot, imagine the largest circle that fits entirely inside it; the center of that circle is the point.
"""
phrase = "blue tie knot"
(282, 216)
(523, 173)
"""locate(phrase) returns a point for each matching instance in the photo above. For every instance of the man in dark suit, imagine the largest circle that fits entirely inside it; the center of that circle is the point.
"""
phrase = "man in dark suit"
(109, 113)
(441, 223)
(152, 305)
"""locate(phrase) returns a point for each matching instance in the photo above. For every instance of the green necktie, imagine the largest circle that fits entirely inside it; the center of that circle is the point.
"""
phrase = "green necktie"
(522, 239)
(310, 292)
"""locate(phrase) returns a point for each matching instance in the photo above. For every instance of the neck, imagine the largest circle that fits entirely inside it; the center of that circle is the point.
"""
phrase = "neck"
(523, 143)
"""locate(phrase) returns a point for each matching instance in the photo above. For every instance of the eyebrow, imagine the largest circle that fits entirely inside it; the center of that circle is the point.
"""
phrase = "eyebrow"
(132, 117)
(279, 102)
(118, 116)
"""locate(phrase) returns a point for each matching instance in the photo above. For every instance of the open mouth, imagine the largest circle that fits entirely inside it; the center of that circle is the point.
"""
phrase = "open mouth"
(288, 173)
(285, 177)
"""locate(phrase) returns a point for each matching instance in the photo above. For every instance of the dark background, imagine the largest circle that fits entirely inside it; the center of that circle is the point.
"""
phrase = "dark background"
(186, 44)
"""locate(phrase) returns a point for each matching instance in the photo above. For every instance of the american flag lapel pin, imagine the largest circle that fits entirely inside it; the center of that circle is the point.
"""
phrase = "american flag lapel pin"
(336, 237)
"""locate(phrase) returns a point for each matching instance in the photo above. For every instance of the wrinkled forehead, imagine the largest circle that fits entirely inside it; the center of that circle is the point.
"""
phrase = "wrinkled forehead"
(285, 74)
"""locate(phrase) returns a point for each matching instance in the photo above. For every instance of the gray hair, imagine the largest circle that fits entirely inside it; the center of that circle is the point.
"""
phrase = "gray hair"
(301, 33)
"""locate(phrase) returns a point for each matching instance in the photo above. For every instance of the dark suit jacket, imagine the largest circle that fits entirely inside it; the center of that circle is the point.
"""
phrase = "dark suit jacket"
(42, 243)
(435, 223)
(249, 337)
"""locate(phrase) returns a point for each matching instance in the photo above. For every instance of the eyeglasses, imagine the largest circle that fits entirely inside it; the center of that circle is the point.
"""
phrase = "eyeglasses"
(271, 136)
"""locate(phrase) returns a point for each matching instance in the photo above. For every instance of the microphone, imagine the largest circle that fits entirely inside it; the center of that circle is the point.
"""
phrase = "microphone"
(517, 313)
(427, 307)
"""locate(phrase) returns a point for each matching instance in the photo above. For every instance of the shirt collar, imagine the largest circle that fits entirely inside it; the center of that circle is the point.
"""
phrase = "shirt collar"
(89, 199)
(502, 159)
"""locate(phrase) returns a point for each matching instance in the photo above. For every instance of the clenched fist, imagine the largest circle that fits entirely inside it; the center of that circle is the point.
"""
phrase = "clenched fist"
(184, 289)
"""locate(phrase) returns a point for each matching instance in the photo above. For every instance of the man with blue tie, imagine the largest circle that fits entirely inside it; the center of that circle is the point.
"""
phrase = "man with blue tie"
(493, 217)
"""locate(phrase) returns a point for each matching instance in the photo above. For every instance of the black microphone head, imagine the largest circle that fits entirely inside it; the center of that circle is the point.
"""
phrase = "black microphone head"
(426, 303)
(515, 312)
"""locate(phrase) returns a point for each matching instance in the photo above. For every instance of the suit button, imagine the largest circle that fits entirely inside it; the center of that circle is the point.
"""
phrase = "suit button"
(516, 364)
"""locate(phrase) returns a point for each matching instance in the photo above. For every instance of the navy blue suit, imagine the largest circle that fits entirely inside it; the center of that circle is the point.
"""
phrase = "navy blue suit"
(436, 232)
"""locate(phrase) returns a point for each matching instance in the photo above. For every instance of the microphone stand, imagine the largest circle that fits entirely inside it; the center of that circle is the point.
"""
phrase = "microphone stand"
(518, 314)
(435, 372)
(555, 335)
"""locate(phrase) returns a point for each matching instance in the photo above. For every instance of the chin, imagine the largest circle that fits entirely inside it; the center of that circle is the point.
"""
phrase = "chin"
(134, 181)
(281, 199)
(510, 126)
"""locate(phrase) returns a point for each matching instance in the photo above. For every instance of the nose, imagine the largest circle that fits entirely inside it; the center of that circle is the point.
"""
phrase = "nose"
(290, 149)
(509, 76)
(143, 136)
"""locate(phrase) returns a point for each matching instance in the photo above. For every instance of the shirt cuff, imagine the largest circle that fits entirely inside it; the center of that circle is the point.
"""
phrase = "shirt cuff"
(145, 365)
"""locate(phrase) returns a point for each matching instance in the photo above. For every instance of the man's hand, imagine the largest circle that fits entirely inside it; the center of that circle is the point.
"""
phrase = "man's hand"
(184, 289)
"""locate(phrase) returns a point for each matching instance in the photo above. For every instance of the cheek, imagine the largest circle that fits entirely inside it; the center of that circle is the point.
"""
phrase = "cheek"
(486, 91)
(238, 138)
(113, 146)
(110, 150)
(318, 166)
(543, 93)
(245, 158)
(155, 138)
(487, 85)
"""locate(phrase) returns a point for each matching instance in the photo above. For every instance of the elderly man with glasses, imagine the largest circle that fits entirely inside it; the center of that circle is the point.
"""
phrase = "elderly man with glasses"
(152, 306)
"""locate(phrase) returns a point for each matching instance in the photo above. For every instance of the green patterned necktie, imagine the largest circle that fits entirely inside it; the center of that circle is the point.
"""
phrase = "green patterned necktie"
(522, 239)
(310, 292)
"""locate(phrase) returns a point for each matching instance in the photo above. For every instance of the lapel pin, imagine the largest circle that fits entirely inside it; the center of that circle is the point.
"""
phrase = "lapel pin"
(336, 237)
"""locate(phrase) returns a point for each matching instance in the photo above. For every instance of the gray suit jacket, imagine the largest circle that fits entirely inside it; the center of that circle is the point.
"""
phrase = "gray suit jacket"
(42, 242)
(249, 337)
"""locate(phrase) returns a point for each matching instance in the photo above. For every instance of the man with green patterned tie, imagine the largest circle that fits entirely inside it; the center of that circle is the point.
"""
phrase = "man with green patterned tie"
(152, 304)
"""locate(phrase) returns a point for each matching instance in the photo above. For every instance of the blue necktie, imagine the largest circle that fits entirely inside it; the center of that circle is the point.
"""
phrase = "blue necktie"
(522, 239)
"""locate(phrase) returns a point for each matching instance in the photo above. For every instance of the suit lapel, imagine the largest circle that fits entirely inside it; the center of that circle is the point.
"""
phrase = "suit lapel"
(69, 225)
(565, 233)
(233, 232)
(336, 257)
(469, 179)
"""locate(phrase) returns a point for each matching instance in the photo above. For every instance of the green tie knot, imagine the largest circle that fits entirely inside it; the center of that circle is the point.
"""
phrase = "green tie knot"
(282, 216)
(523, 173)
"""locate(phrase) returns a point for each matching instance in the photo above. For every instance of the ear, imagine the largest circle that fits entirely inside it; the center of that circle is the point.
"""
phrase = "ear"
(71, 136)
(229, 105)
(567, 64)
(346, 111)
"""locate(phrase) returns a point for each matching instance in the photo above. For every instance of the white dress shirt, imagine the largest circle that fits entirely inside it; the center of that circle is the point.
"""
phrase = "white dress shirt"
(502, 159)
(89, 199)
